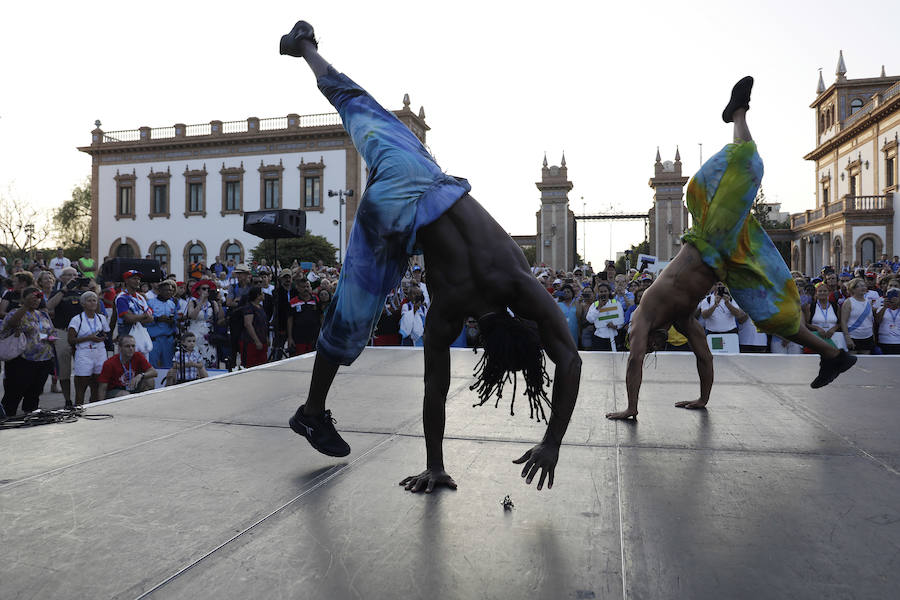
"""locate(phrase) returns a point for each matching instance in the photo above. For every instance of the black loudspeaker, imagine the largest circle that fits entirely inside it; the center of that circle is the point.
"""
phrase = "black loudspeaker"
(112, 269)
(275, 224)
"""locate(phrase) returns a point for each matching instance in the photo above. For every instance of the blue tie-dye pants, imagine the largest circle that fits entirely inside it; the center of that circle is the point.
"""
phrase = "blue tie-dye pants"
(405, 191)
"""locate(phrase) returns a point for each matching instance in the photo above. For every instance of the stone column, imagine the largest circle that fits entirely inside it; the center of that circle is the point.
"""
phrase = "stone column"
(802, 242)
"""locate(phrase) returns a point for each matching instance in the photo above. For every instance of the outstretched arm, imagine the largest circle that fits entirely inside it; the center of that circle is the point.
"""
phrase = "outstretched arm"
(691, 329)
(437, 383)
(535, 304)
(640, 331)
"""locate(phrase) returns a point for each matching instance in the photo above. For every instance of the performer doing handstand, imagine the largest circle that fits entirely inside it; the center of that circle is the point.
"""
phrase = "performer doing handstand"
(725, 243)
(474, 268)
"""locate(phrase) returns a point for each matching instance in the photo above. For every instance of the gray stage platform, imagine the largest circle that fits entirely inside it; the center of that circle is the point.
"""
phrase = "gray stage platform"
(777, 491)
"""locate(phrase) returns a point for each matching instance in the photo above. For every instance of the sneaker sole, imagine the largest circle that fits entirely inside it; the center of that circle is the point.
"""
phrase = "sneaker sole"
(850, 364)
(300, 430)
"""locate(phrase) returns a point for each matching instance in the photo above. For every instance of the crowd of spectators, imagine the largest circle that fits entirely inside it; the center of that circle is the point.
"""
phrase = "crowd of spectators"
(115, 337)
(855, 309)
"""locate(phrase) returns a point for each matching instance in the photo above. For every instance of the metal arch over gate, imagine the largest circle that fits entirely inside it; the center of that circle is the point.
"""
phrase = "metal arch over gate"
(645, 217)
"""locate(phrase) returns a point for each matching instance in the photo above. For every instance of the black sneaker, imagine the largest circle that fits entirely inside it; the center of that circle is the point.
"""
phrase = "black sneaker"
(290, 42)
(70, 406)
(740, 98)
(830, 368)
(320, 433)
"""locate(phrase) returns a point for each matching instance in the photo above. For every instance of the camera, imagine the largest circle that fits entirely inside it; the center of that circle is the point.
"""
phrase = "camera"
(720, 291)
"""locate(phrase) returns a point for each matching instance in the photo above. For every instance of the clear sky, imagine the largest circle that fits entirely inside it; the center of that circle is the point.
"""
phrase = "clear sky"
(501, 83)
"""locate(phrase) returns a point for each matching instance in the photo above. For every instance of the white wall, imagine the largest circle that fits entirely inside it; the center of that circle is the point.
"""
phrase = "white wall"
(214, 229)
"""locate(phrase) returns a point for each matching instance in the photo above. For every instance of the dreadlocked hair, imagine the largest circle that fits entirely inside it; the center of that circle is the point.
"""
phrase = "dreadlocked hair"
(510, 345)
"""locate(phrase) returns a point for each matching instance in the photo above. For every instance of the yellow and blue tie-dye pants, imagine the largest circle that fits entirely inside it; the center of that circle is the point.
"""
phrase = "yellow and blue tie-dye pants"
(733, 243)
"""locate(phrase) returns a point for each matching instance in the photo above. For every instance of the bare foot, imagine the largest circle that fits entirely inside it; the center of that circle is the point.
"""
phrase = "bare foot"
(694, 404)
(625, 414)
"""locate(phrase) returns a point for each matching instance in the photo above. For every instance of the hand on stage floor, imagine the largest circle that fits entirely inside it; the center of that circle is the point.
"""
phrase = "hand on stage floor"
(427, 480)
(543, 457)
(696, 404)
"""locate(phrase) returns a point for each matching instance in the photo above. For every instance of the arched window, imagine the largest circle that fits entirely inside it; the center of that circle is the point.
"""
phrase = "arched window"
(161, 253)
(867, 250)
(125, 251)
(855, 105)
(195, 253)
(233, 251)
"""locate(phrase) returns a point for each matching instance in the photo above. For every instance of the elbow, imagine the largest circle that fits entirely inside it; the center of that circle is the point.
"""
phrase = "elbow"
(573, 364)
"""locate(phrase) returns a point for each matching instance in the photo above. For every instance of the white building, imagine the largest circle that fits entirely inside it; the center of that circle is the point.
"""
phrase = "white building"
(179, 193)
(857, 130)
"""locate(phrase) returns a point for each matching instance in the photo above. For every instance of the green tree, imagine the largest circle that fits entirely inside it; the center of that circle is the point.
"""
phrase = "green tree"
(530, 254)
(761, 210)
(72, 220)
(310, 248)
(641, 248)
(22, 228)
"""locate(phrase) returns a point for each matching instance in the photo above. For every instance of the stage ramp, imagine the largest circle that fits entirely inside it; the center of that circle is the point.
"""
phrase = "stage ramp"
(202, 491)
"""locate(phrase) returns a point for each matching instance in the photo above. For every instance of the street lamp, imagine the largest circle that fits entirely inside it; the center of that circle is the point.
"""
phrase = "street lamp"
(29, 233)
(341, 194)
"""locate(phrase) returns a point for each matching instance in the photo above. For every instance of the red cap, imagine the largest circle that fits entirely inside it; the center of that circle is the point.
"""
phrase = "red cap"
(129, 274)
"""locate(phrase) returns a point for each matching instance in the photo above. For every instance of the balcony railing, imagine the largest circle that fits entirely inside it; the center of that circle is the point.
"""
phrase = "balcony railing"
(862, 112)
(890, 92)
(847, 204)
(216, 128)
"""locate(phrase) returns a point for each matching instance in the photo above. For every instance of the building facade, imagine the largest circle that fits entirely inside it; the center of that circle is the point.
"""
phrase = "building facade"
(668, 217)
(857, 125)
(179, 193)
(556, 235)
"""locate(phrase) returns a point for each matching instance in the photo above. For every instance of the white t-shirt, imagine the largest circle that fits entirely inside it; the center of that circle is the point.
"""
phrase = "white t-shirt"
(876, 300)
(857, 310)
(721, 319)
(58, 264)
(889, 329)
(85, 326)
(749, 335)
(601, 316)
(824, 318)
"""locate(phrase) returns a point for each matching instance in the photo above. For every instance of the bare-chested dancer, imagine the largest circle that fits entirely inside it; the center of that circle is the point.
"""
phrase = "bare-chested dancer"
(474, 268)
(725, 244)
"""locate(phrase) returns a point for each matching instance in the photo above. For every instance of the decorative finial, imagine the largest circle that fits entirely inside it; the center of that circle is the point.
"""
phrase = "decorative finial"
(406, 101)
(882, 71)
(658, 157)
(422, 112)
(841, 71)
(677, 154)
(563, 162)
(545, 160)
(821, 86)
(97, 122)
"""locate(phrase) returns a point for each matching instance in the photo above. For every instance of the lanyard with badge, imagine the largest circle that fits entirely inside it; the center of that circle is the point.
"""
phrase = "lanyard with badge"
(93, 330)
(894, 312)
(127, 372)
(824, 311)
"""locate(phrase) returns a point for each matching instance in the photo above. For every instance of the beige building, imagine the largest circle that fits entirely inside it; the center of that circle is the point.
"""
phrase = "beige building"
(668, 217)
(555, 238)
(857, 126)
